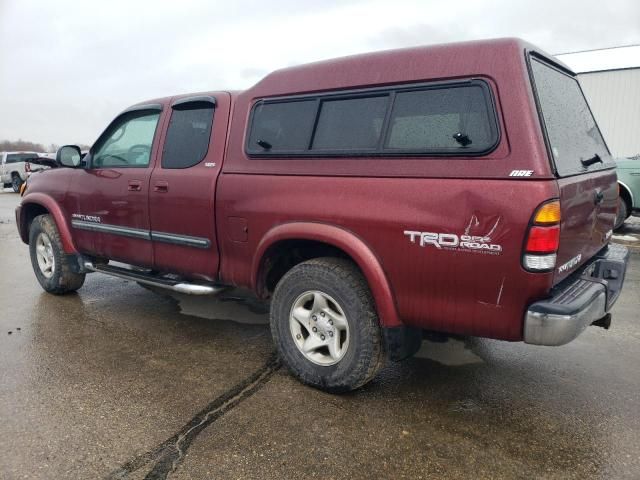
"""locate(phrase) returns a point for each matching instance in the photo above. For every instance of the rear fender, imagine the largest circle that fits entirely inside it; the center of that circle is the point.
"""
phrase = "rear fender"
(54, 210)
(349, 243)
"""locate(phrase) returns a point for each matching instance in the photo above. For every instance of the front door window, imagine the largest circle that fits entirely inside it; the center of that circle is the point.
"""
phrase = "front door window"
(127, 142)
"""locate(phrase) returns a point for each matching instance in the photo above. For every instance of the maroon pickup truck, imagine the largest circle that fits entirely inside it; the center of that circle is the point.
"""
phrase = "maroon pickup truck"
(463, 189)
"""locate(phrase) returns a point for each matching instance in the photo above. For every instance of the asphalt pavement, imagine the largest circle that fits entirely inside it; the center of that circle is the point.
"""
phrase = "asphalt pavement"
(120, 382)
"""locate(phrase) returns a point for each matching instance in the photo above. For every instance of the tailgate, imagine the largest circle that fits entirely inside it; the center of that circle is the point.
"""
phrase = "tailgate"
(588, 204)
(583, 165)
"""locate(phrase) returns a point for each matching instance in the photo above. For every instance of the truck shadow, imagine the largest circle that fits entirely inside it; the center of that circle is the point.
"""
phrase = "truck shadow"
(463, 407)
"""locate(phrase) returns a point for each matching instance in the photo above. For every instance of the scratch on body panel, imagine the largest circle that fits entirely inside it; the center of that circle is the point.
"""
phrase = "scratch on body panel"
(500, 292)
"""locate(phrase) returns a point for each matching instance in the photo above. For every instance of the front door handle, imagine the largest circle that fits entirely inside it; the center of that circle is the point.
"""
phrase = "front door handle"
(135, 185)
(161, 187)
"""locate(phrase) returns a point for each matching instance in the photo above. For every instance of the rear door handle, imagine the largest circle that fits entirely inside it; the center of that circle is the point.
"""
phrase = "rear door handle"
(161, 187)
(135, 185)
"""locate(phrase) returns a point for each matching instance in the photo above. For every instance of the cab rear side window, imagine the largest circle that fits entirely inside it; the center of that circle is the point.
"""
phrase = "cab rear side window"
(454, 118)
(188, 135)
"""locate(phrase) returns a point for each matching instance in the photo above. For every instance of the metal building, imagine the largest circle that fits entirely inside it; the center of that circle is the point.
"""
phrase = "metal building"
(610, 79)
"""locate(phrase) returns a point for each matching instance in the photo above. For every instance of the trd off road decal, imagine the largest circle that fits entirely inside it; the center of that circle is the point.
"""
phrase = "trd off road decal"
(451, 241)
(467, 242)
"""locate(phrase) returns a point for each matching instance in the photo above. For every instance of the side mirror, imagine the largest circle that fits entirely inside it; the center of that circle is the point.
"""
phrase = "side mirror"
(69, 156)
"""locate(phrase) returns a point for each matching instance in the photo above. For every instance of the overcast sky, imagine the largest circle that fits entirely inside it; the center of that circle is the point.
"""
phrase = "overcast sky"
(68, 67)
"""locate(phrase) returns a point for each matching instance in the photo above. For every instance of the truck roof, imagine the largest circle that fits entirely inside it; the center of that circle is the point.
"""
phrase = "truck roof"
(480, 57)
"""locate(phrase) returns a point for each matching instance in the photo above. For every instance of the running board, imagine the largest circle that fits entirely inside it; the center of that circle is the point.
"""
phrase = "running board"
(155, 281)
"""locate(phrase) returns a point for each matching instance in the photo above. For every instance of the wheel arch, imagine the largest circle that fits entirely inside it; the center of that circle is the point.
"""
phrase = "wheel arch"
(316, 240)
(35, 204)
(627, 195)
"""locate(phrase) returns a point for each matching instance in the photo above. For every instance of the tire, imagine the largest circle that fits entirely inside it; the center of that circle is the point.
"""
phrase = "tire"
(338, 285)
(623, 213)
(46, 251)
(16, 183)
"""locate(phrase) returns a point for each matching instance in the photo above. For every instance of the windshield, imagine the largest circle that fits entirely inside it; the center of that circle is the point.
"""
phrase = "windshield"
(574, 138)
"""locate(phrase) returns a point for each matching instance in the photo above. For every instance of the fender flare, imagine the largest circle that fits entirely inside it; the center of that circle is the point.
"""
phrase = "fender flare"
(346, 241)
(56, 212)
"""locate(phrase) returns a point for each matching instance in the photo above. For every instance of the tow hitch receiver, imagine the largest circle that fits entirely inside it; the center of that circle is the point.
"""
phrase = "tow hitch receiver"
(604, 322)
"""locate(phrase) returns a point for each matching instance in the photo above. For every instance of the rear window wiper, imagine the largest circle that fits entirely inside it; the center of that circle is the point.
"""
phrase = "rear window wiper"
(586, 162)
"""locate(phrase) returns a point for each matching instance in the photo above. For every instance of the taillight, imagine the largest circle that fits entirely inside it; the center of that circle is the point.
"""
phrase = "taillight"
(543, 238)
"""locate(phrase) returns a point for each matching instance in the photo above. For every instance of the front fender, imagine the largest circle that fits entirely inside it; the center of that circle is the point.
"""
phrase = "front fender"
(45, 201)
(346, 241)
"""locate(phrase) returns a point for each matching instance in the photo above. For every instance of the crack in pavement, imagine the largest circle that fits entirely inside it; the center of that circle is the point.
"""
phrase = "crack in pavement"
(167, 456)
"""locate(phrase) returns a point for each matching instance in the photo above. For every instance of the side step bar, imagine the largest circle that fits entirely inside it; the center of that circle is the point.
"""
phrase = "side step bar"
(155, 281)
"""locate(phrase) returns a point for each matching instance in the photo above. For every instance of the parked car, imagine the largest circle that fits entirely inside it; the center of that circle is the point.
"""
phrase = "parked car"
(15, 168)
(41, 163)
(629, 186)
(49, 160)
(370, 198)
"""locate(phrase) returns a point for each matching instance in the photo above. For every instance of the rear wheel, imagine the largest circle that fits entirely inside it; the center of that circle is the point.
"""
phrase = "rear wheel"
(50, 264)
(16, 182)
(325, 326)
(623, 213)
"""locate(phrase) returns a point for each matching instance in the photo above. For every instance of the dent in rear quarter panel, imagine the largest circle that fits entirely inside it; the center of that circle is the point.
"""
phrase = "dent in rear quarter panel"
(444, 289)
(458, 290)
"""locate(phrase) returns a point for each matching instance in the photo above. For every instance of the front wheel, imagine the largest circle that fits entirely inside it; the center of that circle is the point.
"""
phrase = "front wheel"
(325, 326)
(50, 264)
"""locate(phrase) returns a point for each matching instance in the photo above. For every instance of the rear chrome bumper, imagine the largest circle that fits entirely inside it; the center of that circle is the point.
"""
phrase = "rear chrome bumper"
(582, 299)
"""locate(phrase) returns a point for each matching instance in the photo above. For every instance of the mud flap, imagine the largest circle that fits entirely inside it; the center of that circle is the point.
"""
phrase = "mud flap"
(401, 342)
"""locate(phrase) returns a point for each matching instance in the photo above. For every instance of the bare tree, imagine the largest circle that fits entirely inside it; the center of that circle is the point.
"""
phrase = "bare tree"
(7, 145)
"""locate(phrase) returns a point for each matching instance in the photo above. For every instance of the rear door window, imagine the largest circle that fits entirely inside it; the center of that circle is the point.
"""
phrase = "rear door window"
(571, 130)
(188, 135)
